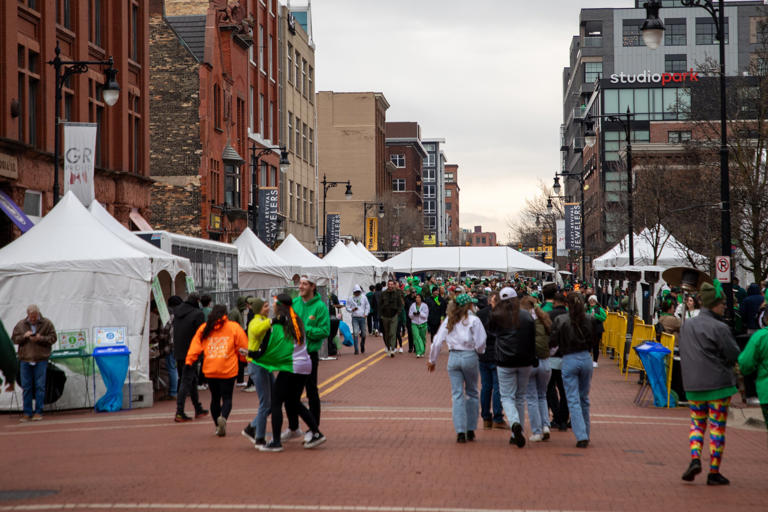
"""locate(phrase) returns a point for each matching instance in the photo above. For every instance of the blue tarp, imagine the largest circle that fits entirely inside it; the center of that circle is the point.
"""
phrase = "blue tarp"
(654, 358)
(113, 363)
(346, 333)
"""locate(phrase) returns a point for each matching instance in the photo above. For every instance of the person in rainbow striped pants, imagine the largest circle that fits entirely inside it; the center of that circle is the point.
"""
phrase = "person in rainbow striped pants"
(708, 353)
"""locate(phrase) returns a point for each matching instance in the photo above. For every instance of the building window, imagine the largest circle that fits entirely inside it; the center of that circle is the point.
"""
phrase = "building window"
(304, 85)
(449, 193)
(290, 200)
(289, 142)
(273, 172)
(33, 203)
(675, 63)
(429, 191)
(677, 137)
(96, 114)
(675, 33)
(448, 208)
(429, 206)
(297, 69)
(263, 176)
(430, 223)
(261, 115)
(592, 71)
(311, 78)
(299, 210)
(657, 104)
(312, 208)
(232, 186)
(271, 125)
(269, 54)
(706, 31)
(261, 48)
(398, 159)
(428, 174)
(250, 109)
(593, 34)
(311, 156)
(135, 31)
(449, 177)
(64, 13)
(29, 95)
(216, 106)
(304, 147)
(134, 133)
(398, 185)
(290, 63)
(305, 215)
(95, 10)
(631, 33)
(297, 131)
(757, 29)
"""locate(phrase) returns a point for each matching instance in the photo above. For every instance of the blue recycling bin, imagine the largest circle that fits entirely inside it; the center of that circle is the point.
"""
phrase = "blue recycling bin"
(653, 356)
(113, 363)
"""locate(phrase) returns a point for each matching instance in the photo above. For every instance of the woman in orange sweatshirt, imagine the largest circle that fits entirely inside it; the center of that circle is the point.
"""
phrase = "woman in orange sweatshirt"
(224, 343)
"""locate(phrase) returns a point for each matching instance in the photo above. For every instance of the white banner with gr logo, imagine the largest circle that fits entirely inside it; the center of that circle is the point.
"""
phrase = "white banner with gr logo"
(79, 157)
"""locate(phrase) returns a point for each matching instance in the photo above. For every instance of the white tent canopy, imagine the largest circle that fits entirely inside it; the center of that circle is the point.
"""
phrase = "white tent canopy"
(161, 260)
(464, 259)
(81, 276)
(292, 251)
(381, 269)
(671, 253)
(258, 265)
(351, 271)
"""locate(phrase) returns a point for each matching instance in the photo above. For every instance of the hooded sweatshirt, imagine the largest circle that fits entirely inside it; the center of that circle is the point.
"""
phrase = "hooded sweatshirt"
(750, 307)
(753, 359)
(220, 349)
(279, 353)
(314, 314)
(187, 318)
(258, 329)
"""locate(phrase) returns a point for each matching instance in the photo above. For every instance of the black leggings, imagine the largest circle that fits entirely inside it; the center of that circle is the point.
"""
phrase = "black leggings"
(313, 396)
(287, 390)
(221, 397)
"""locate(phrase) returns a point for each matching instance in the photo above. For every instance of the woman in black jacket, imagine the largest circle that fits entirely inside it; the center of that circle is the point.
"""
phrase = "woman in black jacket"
(515, 334)
(573, 334)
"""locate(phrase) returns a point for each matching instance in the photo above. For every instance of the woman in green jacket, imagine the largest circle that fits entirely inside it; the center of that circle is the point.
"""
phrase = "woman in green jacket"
(754, 358)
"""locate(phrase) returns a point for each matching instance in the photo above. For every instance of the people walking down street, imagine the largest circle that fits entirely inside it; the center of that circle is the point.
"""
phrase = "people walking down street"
(359, 308)
(708, 353)
(419, 313)
(390, 306)
(437, 310)
(573, 334)
(595, 310)
(465, 336)
(754, 360)
(262, 379)
(538, 412)
(313, 313)
(35, 335)
(373, 315)
(187, 318)
(286, 352)
(556, 399)
(490, 399)
(515, 333)
(223, 343)
(409, 299)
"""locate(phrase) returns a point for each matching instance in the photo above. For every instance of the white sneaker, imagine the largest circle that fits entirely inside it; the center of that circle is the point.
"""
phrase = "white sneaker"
(400, 350)
(241, 384)
(594, 364)
(202, 387)
(391, 353)
(289, 434)
(536, 438)
(545, 433)
(753, 401)
(308, 437)
(249, 389)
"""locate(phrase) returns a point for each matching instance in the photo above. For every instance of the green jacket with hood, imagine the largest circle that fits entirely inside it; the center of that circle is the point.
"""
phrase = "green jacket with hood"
(318, 327)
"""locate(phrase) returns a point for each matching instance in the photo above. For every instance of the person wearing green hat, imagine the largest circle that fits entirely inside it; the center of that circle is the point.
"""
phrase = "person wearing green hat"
(708, 353)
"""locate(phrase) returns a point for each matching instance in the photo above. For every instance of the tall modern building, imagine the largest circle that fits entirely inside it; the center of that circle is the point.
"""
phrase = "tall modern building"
(611, 70)
(433, 192)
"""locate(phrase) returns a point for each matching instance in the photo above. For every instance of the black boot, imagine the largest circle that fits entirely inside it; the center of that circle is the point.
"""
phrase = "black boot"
(717, 479)
(461, 437)
(693, 469)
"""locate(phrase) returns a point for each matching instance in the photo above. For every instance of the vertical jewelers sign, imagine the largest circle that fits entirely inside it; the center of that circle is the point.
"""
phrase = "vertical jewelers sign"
(79, 156)
(372, 233)
(268, 205)
(572, 226)
(332, 229)
(560, 228)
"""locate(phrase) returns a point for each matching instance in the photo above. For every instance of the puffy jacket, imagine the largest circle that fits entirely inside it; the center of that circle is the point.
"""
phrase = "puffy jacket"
(317, 322)
(220, 349)
(754, 358)
(32, 351)
(515, 346)
(186, 320)
(750, 307)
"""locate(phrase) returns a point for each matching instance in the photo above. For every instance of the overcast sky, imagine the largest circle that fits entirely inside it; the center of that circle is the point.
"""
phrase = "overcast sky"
(485, 75)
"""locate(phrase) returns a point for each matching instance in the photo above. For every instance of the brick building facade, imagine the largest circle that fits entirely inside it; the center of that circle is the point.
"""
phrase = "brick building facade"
(452, 204)
(406, 153)
(480, 238)
(29, 33)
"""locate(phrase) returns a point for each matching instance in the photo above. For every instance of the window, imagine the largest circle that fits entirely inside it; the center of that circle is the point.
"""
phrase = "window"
(311, 156)
(304, 147)
(430, 160)
(261, 115)
(706, 31)
(305, 215)
(429, 191)
(449, 177)
(289, 143)
(290, 63)
(290, 201)
(135, 31)
(95, 25)
(676, 137)
(304, 84)
(264, 175)
(273, 172)
(449, 193)
(428, 174)
(429, 206)
(29, 95)
(261, 48)
(216, 106)
(297, 131)
(299, 209)
(311, 78)
(675, 33)
(64, 13)
(656, 104)
(271, 125)
(631, 33)
(33, 203)
(430, 223)
(134, 133)
(232, 186)
(448, 208)
(297, 69)
(215, 179)
(616, 140)
(593, 34)
(398, 159)
(398, 185)
(592, 71)
(311, 207)
(758, 29)
(675, 63)
(269, 54)
(96, 115)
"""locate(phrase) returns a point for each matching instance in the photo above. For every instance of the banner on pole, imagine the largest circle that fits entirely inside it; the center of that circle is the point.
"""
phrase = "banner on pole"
(268, 205)
(560, 228)
(332, 229)
(573, 226)
(79, 158)
(372, 233)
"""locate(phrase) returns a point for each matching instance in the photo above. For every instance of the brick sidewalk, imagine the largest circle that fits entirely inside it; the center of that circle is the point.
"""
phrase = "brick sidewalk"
(390, 445)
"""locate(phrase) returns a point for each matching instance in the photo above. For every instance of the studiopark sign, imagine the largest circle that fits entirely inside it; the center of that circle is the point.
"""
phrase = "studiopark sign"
(646, 77)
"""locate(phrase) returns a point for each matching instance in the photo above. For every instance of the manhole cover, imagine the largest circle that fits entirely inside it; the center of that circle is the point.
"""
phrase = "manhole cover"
(25, 495)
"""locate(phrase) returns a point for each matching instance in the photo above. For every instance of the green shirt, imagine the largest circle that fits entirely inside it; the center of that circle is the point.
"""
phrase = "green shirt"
(318, 327)
(547, 307)
(711, 394)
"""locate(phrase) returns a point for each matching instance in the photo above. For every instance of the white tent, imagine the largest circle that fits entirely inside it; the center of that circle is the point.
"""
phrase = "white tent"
(81, 276)
(351, 271)
(359, 249)
(671, 253)
(161, 260)
(292, 251)
(258, 266)
(464, 259)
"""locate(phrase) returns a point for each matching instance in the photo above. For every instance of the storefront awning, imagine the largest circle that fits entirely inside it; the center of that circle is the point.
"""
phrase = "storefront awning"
(15, 213)
(140, 221)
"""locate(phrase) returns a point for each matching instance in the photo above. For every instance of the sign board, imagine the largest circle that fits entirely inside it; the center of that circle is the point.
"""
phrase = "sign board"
(723, 269)
(109, 336)
(560, 228)
(429, 240)
(162, 307)
(79, 158)
(74, 339)
(9, 166)
(395, 241)
(268, 206)
(372, 233)
(573, 226)
(332, 230)
(15, 213)
(190, 284)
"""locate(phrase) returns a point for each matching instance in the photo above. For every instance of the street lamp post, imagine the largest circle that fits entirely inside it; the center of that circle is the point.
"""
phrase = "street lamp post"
(347, 195)
(65, 69)
(556, 187)
(256, 155)
(653, 31)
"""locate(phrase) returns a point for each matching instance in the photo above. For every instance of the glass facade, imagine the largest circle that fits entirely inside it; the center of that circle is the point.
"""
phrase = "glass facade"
(658, 104)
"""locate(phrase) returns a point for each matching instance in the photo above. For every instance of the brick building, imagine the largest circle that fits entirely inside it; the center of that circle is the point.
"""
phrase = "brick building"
(406, 153)
(214, 76)
(480, 238)
(452, 204)
(29, 33)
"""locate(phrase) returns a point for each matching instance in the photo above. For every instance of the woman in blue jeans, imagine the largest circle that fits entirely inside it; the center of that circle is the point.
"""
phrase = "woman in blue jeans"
(573, 333)
(538, 412)
(465, 336)
(262, 378)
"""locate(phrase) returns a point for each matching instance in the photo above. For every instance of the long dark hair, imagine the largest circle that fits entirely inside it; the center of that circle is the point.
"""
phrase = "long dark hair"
(576, 310)
(216, 315)
(292, 324)
(506, 313)
(529, 303)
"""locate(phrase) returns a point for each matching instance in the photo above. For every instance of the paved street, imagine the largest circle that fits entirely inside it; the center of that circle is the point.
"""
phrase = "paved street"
(390, 447)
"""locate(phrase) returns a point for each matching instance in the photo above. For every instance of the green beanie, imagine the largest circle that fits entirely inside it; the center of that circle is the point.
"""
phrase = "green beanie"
(711, 295)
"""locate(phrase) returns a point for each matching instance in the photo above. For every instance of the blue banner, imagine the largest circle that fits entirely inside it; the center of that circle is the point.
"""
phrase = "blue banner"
(14, 213)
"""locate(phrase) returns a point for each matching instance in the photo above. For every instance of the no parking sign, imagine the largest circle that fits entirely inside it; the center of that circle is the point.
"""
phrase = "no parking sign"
(723, 269)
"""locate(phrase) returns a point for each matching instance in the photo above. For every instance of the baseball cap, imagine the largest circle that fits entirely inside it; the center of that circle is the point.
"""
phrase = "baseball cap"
(507, 293)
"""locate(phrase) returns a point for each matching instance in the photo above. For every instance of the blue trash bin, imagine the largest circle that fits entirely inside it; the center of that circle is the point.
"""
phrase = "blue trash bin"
(653, 356)
(113, 363)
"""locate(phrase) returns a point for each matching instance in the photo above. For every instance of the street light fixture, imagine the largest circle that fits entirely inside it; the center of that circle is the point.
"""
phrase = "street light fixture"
(255, 158)
(653, 27)
(63, 70)
(718, 16)
(347, 195)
